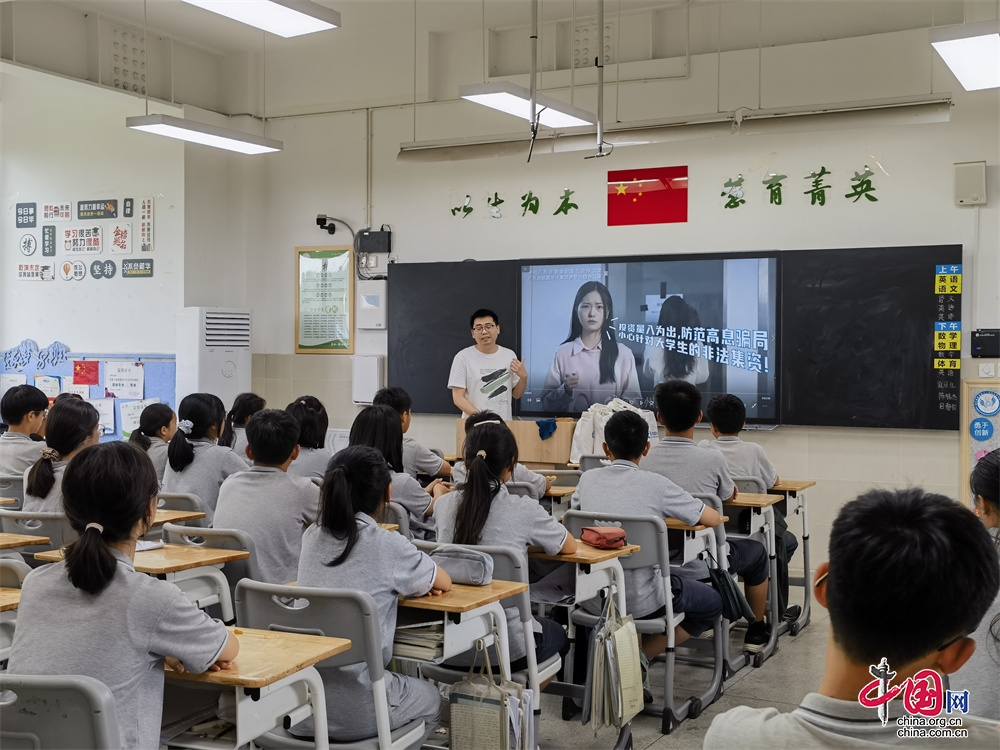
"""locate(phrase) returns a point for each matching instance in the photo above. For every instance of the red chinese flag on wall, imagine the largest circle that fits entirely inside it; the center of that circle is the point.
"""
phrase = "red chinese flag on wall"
(86, 373)
(648, 196)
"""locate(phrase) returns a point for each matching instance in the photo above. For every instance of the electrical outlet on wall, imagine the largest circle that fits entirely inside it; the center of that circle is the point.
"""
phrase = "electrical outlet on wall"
(987, 370)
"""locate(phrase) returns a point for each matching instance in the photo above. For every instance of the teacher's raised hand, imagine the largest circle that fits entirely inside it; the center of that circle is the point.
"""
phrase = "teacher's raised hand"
(517, 367)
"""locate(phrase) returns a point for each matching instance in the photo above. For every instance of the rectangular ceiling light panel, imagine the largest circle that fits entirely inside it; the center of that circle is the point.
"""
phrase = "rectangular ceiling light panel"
(206, 135)
(285, 18)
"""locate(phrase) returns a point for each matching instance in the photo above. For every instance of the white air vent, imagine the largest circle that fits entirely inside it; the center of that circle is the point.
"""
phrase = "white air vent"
(228, 330)
(124, 64)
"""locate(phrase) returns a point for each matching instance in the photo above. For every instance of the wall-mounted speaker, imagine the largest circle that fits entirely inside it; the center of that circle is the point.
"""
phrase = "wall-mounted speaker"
(970, 183)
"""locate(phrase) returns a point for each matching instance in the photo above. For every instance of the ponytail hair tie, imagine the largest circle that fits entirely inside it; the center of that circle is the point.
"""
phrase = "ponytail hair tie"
(185, 426)
(100, 529)
(50, 454)
(481, 454)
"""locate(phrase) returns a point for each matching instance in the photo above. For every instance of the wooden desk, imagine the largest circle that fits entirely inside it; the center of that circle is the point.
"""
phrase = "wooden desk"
(11, 541)
(463, 598)
(175, 516)
(170, 558)
(9, 599)
(389, 526)
(560, 492)
(585, 554)
(752, 500)
(8, 501)
(793, 485)
(451, 457)
(267, 679)
(678, 525)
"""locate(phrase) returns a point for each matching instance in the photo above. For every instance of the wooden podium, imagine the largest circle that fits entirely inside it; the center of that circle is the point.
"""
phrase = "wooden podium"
(532, 450)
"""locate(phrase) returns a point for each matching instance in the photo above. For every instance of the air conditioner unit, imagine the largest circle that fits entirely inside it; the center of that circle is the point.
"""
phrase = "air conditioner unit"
(213, 352)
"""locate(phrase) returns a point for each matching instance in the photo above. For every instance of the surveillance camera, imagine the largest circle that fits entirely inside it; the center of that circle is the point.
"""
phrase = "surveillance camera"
(321, 221)
(331, 228)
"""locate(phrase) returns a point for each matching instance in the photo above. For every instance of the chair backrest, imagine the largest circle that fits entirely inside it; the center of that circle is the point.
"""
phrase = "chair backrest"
(649, 532)
(396, 513)
(593, 461)
(12, 485)
(12, 573)
(564, 477)
(184, 501)
(523, 489)
(57, 711)
(336, 613)
(754, 485)
(713, 501)
(53, 525)
(235, 570)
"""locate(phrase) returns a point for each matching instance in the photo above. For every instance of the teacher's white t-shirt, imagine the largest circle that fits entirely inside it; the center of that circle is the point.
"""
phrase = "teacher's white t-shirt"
(486, 378)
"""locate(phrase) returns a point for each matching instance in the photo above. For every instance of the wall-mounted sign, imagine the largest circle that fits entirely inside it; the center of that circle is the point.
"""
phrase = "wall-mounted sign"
(28, 244)
(62, 211)
(48, 241)
(80, 240)
(120, 238)
(137, 269)
(324, 295)
(103, 209)
(103, 269)
(26, 216)
(72, 270)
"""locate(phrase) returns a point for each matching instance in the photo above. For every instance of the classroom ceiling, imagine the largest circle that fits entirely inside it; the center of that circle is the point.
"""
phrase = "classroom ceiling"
(746, 23)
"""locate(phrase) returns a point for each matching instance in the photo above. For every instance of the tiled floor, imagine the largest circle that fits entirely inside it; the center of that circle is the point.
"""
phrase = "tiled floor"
(796, 669)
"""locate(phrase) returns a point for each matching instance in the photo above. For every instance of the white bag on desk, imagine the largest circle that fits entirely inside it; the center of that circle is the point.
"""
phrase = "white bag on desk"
(583, 437)
(601, 419)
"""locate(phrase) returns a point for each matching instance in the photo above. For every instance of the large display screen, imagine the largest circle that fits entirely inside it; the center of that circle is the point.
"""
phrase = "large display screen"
(593, 330)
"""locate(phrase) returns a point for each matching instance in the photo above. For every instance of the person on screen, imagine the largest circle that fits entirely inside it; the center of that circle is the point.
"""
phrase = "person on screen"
(662, 365)
(590, 367)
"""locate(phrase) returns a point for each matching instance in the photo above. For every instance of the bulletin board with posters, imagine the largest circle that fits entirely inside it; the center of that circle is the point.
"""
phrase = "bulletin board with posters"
(324, 300)
(980, 427)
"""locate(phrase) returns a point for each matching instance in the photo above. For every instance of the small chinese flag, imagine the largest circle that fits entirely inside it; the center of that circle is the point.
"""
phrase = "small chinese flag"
(648, 196)
(86, 373)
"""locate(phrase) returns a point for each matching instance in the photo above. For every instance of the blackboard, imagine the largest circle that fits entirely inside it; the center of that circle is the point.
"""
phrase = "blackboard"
(429, 309)
(858, 338)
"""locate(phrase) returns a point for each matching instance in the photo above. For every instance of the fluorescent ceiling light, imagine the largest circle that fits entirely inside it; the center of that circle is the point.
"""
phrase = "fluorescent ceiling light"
(285, 18)
(971, 51)
(516, 100)
(206, 135)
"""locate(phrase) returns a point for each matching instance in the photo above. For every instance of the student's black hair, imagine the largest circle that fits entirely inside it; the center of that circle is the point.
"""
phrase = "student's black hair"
(626, 434)
(395, 398)
(313, 421)
(357, 481)
(64, 396)
(20, 401)
(153, 419)
(609, 339)
(678, 403)
(379, 427)
(727, 413)
(985, 481)
(677, 313)
(482, 312)
(204, 411)
(70, 422)
(110, 484)
(490, 449)
(909, 572)
(272, 435)
(244, 406)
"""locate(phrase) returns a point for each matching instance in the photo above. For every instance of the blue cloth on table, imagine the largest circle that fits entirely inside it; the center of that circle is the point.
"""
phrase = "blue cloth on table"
(546, 428)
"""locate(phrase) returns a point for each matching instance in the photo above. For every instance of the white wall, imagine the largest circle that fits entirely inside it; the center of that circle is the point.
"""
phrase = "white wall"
(66, 140)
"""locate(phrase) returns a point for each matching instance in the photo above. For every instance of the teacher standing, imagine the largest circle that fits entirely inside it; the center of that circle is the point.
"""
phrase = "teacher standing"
(486, 375)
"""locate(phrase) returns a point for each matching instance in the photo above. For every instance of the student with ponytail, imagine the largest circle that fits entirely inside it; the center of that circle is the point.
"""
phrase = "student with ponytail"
(379, 427)
(157, 425)
(71, 426)
(313, 422)
(234, 433)
(347, 549)
(482, 511)
(195, 464)
(93, 614)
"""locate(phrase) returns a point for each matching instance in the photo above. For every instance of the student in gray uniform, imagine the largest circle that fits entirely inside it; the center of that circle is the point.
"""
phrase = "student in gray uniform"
(482, 511)
(378, 427)
(624, 488)
(71, 426)
(234, 435)
(314, 456)
(910, 576)
(93, 614)
(23, 409)
(195, 464)
(416, 458)
(702, 471)
(347, 549)
(981, 674)
(269, 504)
(539, 483)
(157, 425)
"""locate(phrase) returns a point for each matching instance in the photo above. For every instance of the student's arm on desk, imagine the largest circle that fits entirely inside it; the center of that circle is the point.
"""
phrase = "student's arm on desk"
(225, 661)
(436, 489)
(710, 517)
(460, 400)
(442, 582)
(569, 546)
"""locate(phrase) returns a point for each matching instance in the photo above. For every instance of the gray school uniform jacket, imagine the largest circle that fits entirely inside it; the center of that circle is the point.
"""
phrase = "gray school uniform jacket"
(744, 459)
(240, 444)
(18, 452)
(275, 509)
(312, 462)
(118, 636)
(202, 477)
(625, 489)
(407, 492)
(520, 474)
(514, 521)
(383, 564)
(51, 503)
(157, 453)
(418, 459)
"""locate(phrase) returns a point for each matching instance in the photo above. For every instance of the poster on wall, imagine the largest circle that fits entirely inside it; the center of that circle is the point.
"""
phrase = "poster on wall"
(120, 238)
(44, 271)
(26, 216)
(106, 409)
(980, 431)
(130, 413)
(80, 240)
(10, 381)
(146, 225)
(61, 211)
(124, 379)
(324, 296)
(97, 209)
